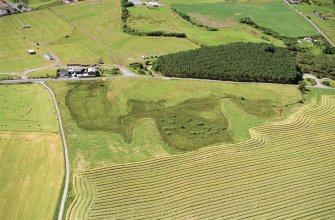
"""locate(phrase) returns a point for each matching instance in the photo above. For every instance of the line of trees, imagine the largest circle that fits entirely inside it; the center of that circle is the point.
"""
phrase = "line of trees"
(290, 42)
(248, 62)
(125, 28)
(186, 17)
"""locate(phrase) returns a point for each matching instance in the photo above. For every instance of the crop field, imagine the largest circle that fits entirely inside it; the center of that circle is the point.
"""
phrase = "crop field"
(164, 19)
(284, 171)
(31, 153)
(32, 171)
(328, 10)
(275, 15)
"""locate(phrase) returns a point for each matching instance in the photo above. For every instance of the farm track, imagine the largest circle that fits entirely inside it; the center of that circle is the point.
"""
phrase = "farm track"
(285, 171)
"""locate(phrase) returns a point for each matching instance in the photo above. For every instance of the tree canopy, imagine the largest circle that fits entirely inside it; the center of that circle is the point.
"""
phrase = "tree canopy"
(249, 62)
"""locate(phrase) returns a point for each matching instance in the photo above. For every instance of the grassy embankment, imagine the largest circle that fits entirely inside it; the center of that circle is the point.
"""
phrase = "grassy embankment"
(32, 165)
(284, 171)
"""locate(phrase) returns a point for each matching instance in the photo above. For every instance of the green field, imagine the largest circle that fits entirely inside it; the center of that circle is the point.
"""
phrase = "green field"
(131, 120)
(26, 107)
(46, 73)
(275, 15)
(328, 25)
(78, 33)
(32, 162)
(284, 171)
(164, 19)
(105, 126)
(32, 172)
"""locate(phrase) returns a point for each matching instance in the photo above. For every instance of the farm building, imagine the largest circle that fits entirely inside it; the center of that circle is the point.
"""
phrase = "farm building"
(153, 4)
(295, 1)
(63, 73)
(31, 51)
(8, 8)
(48, 56)
(77, 71)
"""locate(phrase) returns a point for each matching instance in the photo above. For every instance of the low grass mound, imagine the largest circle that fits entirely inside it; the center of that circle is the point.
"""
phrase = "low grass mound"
(32, 172)
(236, 62)
(284, 171)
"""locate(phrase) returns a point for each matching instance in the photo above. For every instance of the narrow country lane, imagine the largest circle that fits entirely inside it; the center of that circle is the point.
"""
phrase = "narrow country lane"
(67, 163)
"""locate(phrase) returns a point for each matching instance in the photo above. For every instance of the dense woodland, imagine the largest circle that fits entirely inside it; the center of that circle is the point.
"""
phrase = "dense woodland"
(248, 62)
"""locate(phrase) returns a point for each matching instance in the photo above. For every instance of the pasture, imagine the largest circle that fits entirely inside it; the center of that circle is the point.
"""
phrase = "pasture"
(164, 19)
(284, 171)
(26, 107)
(274, 15)
(32, 172)
(105, 119)
(78, 33)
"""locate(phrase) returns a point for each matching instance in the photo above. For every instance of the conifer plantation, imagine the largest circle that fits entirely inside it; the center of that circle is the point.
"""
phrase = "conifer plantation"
(248, 62)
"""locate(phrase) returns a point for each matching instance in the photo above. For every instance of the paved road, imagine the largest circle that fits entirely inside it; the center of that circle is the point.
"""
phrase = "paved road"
(318, 81)
(126, 72)
(67, 163)
(55, 64)
(312, 23)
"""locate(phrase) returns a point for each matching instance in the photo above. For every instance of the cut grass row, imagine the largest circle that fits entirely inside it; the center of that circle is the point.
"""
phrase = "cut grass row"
(205, 181)
(31, 175)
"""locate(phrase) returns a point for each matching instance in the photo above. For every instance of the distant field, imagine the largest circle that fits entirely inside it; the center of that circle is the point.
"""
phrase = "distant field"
(275, 15)
(164, 19)
(284, 171)
(26, 107)
(78, 33)
(327, 26)
(32, 172)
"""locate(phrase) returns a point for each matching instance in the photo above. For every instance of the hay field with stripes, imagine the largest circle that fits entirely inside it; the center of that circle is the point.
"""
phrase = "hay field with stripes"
(285, 171)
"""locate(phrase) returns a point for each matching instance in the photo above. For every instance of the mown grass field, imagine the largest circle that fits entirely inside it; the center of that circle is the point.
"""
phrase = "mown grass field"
(275, 15)
(131, 120)
(105, 119)
(326, 9)
(284, 171)
(32, 172)
(31, 153)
